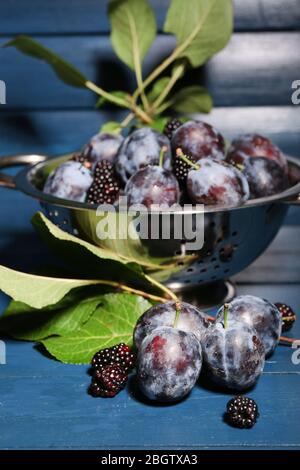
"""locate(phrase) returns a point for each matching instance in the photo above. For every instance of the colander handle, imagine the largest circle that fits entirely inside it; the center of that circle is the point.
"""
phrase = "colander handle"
(8, 181)
(294, 201)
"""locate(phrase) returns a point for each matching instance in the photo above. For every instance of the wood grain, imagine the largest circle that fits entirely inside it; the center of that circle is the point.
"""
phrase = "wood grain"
(253, 70)
(58, 132)
(68, 16)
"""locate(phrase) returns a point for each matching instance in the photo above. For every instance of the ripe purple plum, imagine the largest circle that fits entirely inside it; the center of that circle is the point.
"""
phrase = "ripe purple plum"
(197, 140)
(102, 146)
(169, 363)
(255, 145)
(152, 185)
(265, 177)
(217, 183)
(259, 314)
(70, 180)
(191, 320)
(141, 148)
(234, 355)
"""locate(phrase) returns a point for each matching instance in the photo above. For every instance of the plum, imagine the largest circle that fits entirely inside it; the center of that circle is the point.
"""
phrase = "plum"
(191, 320)
(216, 183)
(259, 314)
(142, 148)
(168, 365)
(234, 355)
(152, 185)
(265, 177)
(102, 146)
(255, 145)
(197, 140)
(70, 180)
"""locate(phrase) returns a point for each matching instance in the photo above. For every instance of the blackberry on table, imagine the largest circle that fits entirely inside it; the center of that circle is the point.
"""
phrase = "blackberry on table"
(98, 391)
(113, 378)
(242, 412)
(171, 127)
(119, 354)
(105, 188)
(288, 316)
(108, 381)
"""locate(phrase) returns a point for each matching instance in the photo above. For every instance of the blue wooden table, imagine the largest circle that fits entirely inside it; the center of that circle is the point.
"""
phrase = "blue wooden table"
(43, 403)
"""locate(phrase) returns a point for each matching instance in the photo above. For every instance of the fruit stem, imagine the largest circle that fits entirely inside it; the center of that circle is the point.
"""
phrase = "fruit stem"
(289, 341)
(183, 157)
(162, 154)
(226, 310)
(161, 287)
(178, 312)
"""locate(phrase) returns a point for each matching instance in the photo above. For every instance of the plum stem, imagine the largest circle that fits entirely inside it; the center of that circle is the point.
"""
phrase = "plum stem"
(178, 312)
(162, 154)
(289, 341)
(183, 157)
(226, 310)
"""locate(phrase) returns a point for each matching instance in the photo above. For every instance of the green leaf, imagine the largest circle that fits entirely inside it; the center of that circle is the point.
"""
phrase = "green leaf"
(192, 99)
(37, 291)
(201, 27)
(133, 28)
(118, 94)
(23, 322)
(157, 88)
(159, 123)
(92, 260)
(111, 126)
(65, 71)
(112, 322)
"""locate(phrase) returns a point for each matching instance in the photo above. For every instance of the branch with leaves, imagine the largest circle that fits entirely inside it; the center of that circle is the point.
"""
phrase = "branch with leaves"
(201, 28)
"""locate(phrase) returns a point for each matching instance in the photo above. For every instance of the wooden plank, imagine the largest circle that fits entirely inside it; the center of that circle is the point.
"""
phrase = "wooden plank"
(71, 16)
(58, 413)
(279, 264)
(55, 132)
(254, 70)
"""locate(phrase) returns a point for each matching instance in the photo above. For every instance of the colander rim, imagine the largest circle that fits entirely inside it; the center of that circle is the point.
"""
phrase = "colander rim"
(23, 183)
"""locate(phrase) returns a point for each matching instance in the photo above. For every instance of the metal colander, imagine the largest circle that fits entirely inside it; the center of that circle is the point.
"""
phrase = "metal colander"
(233, 238)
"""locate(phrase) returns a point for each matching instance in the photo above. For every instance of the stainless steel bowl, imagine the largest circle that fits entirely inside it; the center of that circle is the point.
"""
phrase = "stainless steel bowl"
(234, 237)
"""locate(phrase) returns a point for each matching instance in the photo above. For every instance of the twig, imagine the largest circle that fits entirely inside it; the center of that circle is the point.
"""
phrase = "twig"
(136, 60)
(175, 54)
(162, 287)
(176, 75)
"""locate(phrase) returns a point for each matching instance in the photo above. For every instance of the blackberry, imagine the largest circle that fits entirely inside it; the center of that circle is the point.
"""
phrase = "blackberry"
(105, 188)
(98, 391)
(113, 378)
(120, 354)
(124, 356)
(181, 168)
(171, 126)
(288, 316)
(242, 412)
(80, 158)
